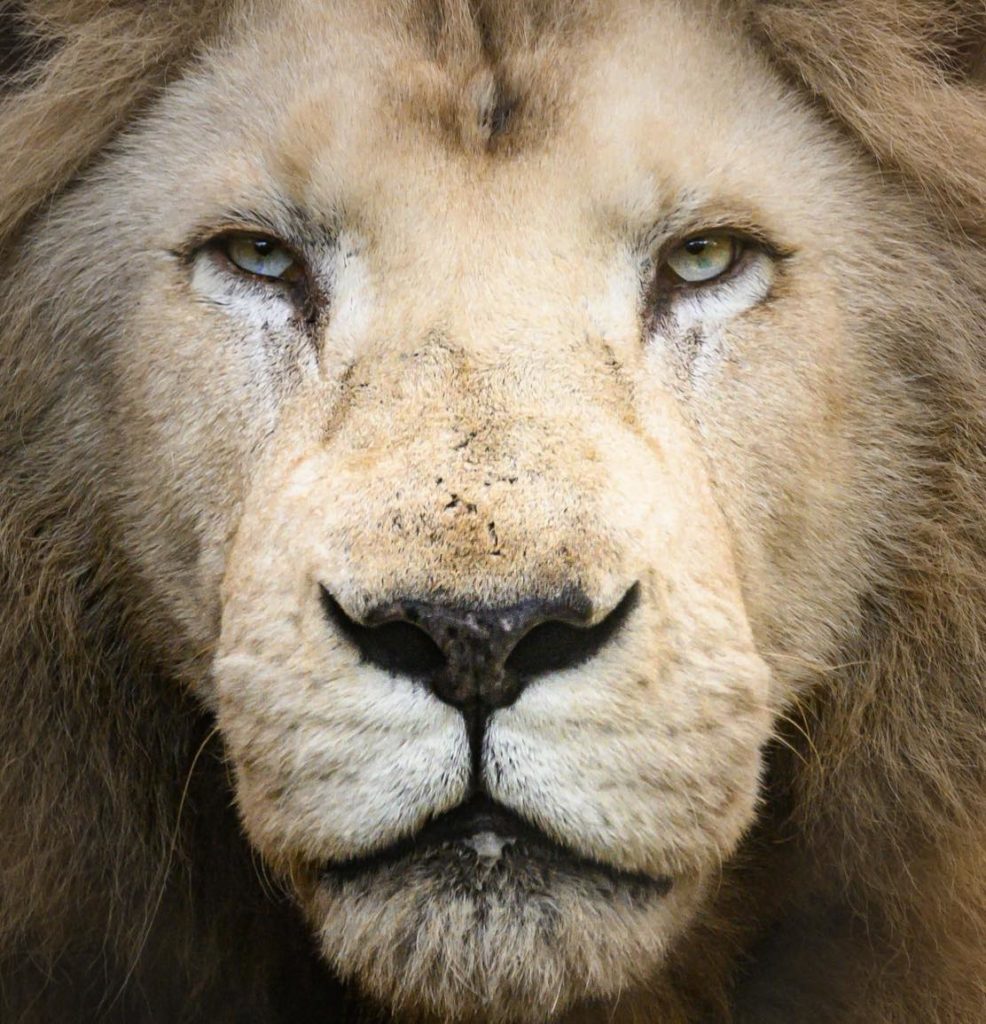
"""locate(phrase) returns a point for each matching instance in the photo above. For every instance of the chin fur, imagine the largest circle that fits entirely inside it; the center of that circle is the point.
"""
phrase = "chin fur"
(456, 934)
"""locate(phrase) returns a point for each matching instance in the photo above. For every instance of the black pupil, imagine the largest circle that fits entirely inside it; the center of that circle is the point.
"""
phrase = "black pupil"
(263, 246)
(696, 246)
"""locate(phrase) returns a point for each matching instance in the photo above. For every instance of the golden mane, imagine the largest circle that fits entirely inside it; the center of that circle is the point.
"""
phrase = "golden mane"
(905, 77)
(113, 800)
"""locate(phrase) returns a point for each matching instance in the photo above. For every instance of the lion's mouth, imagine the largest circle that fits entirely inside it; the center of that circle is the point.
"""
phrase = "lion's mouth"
(492, 835)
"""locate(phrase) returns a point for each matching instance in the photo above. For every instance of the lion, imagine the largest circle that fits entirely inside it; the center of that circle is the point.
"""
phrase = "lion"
(493, 511)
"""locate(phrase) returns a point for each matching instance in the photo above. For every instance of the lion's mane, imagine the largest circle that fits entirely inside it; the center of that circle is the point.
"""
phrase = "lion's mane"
(126, 890)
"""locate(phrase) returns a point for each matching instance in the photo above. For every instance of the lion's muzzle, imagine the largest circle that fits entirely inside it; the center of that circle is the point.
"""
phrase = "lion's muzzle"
(455, 623)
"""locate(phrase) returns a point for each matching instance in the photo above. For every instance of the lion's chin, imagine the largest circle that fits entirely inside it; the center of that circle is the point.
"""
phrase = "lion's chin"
(493, 928)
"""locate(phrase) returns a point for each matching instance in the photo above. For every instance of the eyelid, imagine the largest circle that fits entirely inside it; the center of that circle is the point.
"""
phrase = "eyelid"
(680, 239)
(250, 225)
(220, 242)
(666, 234)
(301, 286)
(221, 237)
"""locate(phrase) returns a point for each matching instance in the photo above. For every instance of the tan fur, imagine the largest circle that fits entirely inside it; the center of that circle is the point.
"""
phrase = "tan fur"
(793, 723)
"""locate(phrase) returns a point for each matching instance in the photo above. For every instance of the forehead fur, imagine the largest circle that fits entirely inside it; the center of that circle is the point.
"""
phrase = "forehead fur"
(902, 75)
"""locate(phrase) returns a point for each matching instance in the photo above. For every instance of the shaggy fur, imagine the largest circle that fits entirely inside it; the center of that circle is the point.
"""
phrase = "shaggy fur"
(127, 890)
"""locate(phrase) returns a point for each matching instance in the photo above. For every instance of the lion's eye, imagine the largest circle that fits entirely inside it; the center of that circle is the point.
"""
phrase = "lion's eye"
(704, 257)
(261, 256)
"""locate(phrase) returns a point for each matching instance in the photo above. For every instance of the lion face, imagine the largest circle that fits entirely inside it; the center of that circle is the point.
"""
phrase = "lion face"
(489, 430)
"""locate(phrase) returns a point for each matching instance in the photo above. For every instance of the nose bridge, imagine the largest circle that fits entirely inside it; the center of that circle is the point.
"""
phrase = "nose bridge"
(482, 255)
(463, 427)
(503, 435)
(456, 409)
(526, 307)
(475, 472)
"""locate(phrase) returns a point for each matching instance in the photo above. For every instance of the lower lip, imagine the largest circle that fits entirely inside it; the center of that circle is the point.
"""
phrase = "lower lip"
(493, 835)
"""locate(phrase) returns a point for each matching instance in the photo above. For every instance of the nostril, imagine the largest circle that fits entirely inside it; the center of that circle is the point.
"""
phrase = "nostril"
(472, 656)
(397, 646)
(555, 645)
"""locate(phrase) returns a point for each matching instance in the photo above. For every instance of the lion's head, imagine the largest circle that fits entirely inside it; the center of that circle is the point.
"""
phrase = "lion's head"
(506, 421)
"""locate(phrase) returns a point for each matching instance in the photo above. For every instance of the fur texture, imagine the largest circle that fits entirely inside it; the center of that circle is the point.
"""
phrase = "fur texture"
(793, 470)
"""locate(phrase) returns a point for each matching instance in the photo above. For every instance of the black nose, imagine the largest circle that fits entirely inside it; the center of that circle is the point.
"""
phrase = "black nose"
(480, 656)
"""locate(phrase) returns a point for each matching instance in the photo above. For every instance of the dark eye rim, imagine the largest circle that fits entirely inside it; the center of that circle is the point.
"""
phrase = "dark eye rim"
(301, 290)
(661, 285)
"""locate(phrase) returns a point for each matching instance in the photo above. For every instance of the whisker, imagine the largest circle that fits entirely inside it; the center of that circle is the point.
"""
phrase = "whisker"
(154, 909)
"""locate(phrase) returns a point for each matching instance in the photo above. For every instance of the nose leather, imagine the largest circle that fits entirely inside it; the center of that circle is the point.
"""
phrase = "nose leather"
(480, 658)
(477, 644)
